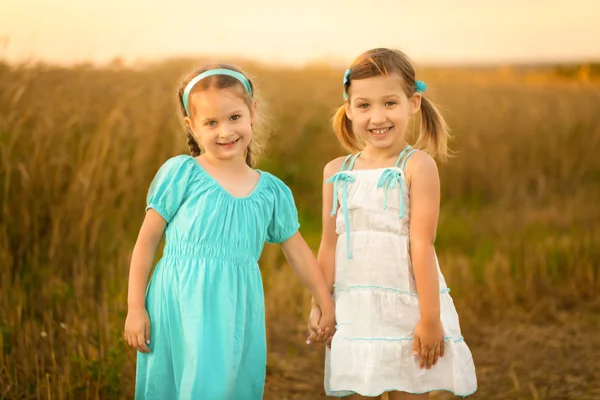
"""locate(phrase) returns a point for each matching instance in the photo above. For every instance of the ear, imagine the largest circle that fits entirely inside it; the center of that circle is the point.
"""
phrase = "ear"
(348, 109)
(415, 103)
(188, 123)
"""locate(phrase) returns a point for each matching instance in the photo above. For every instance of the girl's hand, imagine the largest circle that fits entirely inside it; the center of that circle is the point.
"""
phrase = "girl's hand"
(428, 343)
(327, 324)
(321, 326)
(137, 329)
(314, 329)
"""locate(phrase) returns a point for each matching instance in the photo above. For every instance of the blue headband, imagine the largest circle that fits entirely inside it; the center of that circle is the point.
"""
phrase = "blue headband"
(219, 71)
(420, 86)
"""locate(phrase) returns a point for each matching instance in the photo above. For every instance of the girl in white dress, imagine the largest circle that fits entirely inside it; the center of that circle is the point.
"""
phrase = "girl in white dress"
(397, 327)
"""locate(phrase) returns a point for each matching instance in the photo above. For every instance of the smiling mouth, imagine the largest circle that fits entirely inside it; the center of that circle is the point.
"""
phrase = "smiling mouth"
(230, 143)
(380, 131)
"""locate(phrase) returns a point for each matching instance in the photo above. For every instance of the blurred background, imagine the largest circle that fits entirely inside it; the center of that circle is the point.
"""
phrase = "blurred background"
(88, 113)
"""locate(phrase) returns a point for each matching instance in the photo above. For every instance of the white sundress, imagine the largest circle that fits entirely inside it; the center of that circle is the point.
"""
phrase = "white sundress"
(376, 301)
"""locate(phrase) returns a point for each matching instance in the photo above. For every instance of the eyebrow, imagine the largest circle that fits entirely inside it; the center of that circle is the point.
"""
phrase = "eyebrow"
(203, 118)
(387, 96)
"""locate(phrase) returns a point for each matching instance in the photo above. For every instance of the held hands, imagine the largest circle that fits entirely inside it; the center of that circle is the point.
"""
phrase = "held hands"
(428, 342)
(137, 330)
(321, 325)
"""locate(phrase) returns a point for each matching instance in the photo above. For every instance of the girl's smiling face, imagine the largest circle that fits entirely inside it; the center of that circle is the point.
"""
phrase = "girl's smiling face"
(380, 109)
(221, 122)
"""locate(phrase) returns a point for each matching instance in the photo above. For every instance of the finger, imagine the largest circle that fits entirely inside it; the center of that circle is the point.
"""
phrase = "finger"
(142, 343)
(423, 352)
(416, 346)
(312, 337)
(430, 357)
(314, 325)
(147, 333)
(442, 348)
(134, 342)
(332, 331)
(436, 355)
(322, 335)
(326, 334)
(422, 358)
(138, 340)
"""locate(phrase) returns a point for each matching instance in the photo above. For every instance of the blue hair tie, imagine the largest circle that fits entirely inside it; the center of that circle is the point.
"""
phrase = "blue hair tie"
(420, 86)
(218, 71)
(346, 82)
(347, 77)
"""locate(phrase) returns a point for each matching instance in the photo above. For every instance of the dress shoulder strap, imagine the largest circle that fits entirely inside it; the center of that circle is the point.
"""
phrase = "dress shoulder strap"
(351, 166)
(406, 158)
(345, 162)
(402, 153)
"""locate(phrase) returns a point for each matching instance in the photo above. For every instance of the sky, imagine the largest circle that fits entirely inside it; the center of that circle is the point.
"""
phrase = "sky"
(300, 32)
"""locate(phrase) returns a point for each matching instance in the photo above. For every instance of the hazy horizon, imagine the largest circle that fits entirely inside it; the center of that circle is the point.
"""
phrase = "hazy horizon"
(438, 33)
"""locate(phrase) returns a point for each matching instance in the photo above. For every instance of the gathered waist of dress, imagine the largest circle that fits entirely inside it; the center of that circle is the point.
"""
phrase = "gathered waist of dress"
(403, 234)
(201, 251)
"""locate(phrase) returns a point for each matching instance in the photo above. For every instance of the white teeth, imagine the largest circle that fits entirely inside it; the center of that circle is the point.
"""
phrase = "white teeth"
(228, 143)
(380, 131)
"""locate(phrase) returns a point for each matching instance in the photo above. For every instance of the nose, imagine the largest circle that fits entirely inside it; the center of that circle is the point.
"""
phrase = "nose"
(225, 131)
(378, 115)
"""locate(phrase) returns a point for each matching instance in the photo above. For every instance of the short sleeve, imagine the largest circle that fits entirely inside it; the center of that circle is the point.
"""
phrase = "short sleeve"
(169, 186)
(284, 222)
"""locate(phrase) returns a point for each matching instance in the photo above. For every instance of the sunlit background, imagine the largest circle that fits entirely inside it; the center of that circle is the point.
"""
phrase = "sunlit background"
(290, 32)
(88, 113)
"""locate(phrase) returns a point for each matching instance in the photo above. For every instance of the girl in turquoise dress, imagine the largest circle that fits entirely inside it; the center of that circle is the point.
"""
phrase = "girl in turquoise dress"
(199, 326)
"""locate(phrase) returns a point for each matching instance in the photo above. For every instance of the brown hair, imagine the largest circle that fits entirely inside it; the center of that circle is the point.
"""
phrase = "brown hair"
(259, 127)
(434, 132)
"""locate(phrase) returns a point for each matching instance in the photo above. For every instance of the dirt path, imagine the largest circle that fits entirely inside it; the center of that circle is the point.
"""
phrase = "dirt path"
(521, 357)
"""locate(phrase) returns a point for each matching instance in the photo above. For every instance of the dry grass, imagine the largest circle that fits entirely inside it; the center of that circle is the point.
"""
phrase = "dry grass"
(518, 236)
(519, 357)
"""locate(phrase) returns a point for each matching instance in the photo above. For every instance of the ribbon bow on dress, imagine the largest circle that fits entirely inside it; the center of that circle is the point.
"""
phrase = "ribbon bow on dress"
(390, 178)
(344, 178)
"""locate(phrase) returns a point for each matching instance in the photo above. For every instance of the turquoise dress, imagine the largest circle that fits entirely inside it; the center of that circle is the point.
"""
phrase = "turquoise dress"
(205, 299)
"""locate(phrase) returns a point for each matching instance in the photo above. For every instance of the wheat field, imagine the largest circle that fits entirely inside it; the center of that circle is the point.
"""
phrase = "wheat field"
(518, 237)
